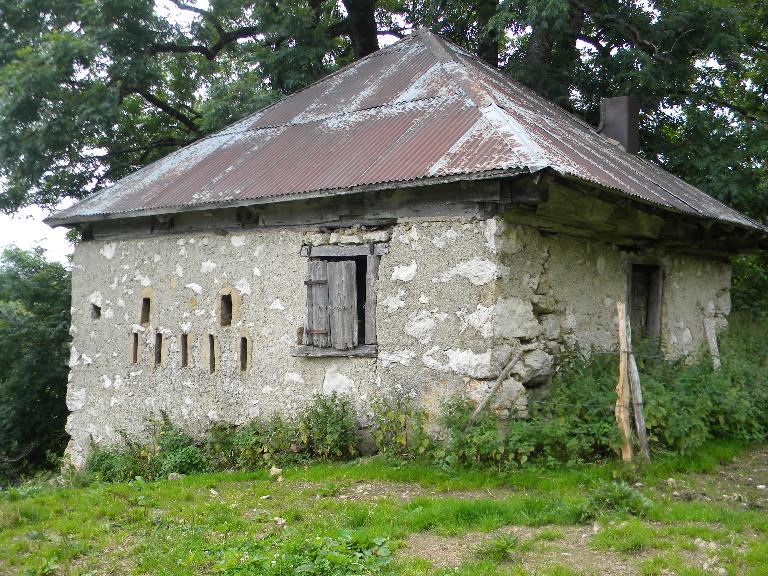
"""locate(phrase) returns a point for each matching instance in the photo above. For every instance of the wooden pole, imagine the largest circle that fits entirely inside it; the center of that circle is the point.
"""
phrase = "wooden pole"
(622, 387)
(513, 359)
(637, 396)
(709, 332)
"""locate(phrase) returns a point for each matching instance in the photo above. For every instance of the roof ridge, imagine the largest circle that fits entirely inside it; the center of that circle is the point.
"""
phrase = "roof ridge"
(501, 122)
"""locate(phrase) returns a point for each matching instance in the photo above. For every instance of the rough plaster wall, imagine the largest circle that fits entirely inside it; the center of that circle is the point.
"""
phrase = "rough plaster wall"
(693, 288)
(454, 297)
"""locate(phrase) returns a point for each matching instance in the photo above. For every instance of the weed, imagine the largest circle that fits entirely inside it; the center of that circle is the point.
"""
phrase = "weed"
(616, 497)
(504, 548)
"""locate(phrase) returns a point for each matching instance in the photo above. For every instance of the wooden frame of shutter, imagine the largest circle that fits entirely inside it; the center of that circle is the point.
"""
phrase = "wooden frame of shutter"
(333, 314)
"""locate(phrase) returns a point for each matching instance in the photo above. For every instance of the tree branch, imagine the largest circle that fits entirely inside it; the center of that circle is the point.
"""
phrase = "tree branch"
(635, 37)
(168, 109)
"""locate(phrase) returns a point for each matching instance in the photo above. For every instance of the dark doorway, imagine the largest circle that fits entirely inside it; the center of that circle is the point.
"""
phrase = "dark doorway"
(645, 283)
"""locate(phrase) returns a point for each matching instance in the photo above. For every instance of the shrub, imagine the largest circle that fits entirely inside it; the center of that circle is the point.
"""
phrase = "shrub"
(481, 444)
(398, 428)
(328, 427)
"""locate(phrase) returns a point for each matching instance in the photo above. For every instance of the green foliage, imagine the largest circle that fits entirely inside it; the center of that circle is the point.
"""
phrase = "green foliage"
(616, 497)
(326, 429)
(749, 285)
(348, 555)
(398, 427)
(34, 336)
(686, 405)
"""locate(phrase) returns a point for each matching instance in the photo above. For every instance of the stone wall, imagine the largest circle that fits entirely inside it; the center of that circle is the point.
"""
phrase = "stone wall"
(453, 298)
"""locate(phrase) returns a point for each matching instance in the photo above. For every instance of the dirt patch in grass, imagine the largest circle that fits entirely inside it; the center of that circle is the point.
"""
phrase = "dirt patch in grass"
(539, 550)
(740, 484)
(370, 491)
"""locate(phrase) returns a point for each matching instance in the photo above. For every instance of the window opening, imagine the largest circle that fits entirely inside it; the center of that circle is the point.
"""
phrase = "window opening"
(158, 348)
(95, 312)
(243, 353)
(184, 350)
(135, 348)
(211, 353)
(225, 312)
(146, 304)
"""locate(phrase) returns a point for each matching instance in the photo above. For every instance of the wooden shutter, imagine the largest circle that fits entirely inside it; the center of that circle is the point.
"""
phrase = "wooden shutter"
(316, 331)
(342, 304)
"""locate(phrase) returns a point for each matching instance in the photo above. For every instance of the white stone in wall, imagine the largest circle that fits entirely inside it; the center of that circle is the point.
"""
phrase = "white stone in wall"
(404, 357)
(76, 398)
(108, 251)
(537, 365)
(243, 286)
(74, 357)
(481, 320)
(335, 381)
(106, 382)
(513, 318)
(95, 298)
(277, 305)
(410, 238)
(143, 280)
(429, 360)
(207, 267)
(470, 363)
(405, 273)
(196, 288)
(442, 240)
(293, 378)
(256, 271)
(421, 325)
(393, 303)
(478, 271)
(237, 241)
(492, 228)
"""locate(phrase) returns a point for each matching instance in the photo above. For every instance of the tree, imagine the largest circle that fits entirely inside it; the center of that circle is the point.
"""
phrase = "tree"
(34, 336)
(90, 90)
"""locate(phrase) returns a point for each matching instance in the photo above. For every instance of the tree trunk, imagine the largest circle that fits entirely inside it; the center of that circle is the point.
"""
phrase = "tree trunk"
(361, 26)
(488, 42)
(552, 55)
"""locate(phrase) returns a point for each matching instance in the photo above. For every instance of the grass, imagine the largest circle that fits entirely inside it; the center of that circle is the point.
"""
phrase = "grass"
(316, 522)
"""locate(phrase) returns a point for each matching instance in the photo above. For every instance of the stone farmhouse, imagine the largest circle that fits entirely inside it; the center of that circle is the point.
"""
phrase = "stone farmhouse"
(397, 228)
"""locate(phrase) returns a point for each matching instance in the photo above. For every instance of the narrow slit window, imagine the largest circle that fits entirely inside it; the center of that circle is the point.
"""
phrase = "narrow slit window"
(184, 350)
(158, 348)
(226, 310)
(95, 312)
(146, 304)
(243, 353)
(135, 348)
(211, 353)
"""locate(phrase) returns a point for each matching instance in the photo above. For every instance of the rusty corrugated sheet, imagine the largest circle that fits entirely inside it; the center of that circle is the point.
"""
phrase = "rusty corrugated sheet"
(419, 109)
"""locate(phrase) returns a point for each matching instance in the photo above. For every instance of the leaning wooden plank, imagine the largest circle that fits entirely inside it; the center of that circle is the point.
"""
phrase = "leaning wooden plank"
(342, 304)
(371, 275)
(622, 387)
(711, 335)
(637, 396)
(317, 290)
(513, 360)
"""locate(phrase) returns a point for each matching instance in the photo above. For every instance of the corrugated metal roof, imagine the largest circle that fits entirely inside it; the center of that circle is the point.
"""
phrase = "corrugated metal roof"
(417, 110)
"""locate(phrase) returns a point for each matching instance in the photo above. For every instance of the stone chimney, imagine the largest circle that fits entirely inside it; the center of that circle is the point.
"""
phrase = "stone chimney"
(619, 120)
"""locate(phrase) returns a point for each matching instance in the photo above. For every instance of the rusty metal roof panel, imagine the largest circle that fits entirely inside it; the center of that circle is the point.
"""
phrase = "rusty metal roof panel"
(419, 109)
